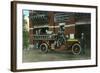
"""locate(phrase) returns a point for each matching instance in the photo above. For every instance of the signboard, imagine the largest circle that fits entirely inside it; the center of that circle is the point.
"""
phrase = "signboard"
(61, 17)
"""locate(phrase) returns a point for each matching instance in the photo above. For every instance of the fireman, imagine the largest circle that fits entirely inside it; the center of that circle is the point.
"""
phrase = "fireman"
(60, 36)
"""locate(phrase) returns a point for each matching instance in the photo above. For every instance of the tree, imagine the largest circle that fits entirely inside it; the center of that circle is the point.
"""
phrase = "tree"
(25, 34)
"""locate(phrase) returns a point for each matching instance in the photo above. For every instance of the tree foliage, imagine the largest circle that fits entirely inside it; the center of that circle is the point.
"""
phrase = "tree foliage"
(25, 36)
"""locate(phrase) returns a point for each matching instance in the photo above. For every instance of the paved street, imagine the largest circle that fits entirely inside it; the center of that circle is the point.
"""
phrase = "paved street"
(34, 55)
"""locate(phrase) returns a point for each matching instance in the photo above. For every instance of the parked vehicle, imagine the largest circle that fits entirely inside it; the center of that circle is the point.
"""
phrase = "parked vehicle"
(53, 42)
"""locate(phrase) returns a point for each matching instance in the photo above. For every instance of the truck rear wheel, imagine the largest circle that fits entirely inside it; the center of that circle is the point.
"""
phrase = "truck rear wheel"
(44, 47)
(76, 49)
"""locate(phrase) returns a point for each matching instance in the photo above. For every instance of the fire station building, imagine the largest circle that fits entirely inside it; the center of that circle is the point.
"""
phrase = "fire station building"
(75, 23)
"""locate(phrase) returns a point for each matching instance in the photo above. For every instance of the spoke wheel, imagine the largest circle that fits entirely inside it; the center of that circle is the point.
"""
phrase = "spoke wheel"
(76, 49)
(44, 48)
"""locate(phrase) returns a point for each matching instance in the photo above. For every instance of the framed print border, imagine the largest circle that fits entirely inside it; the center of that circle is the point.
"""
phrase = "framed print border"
(14, 36)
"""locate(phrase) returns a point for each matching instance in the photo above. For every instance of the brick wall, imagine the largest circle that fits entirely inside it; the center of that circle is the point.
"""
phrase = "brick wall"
(68, 30)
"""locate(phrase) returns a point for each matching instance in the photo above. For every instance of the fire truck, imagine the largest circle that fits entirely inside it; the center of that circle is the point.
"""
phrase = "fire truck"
(55, 41)
(51, 41)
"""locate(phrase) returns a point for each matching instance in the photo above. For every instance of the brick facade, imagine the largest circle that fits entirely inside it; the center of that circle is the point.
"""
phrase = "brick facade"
(68, 30)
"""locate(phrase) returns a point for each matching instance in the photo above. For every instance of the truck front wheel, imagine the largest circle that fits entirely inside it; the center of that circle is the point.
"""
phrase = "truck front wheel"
(76, 49)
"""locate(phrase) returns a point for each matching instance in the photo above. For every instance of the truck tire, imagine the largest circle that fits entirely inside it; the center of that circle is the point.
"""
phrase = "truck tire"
(44, 48)
(76, 49)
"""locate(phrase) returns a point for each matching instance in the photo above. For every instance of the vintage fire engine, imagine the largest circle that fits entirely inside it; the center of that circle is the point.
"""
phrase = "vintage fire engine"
(52, 41)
